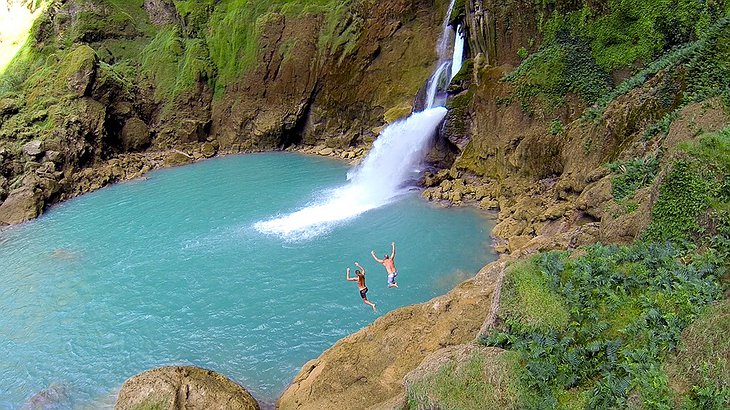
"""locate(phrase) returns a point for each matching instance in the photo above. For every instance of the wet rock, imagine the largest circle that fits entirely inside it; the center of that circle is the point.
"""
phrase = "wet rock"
(55, 396)
(183, 387)
(487, 203)
(326, 151)
(517, 242)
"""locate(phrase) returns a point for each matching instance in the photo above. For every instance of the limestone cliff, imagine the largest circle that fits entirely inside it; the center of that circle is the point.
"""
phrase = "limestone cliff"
(100, 81)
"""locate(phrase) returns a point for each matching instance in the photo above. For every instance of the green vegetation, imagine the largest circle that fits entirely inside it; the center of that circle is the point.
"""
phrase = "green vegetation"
(621, 32)
(694, 199)
(599, 328)
(701, 369)
(631, 175)
(584, 42)
(212, 41)
(235, 26)
(562, 67)
(627, 306)
(478, 383)
(529, 301)
(175, 64)
(706, 61)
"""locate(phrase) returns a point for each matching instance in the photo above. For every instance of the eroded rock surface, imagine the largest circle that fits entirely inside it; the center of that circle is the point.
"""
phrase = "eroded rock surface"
(183, 387)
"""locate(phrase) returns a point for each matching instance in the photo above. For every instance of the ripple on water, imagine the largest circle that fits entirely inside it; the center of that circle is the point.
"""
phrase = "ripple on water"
(170, 270)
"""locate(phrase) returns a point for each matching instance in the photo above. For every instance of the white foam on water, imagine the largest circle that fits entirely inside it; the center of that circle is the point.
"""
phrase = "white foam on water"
(377, 181)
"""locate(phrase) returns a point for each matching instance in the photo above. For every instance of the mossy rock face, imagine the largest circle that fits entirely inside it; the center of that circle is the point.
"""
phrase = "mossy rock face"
(72, 75)
(183, 387)
(468, 377)
(78, 69)
(397, 113)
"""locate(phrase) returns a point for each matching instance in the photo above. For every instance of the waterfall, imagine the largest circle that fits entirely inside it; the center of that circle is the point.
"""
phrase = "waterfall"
(443, 41)
(446, 67)
(433, 84)
(458, 52)
(376, 182)
(393, 160)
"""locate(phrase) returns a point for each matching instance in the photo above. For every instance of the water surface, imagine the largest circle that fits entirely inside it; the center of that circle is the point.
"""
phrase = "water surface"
(170, 270)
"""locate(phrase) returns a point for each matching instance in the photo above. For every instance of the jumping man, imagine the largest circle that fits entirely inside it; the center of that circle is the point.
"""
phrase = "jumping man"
(388, 262)
(360, 279)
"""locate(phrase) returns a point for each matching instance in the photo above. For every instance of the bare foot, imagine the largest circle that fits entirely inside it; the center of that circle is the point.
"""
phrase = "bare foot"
(374, 307)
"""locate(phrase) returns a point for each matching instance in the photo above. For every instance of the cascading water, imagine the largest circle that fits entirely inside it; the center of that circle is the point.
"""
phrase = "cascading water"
(447, 67)
(458, 56)
(379, 179)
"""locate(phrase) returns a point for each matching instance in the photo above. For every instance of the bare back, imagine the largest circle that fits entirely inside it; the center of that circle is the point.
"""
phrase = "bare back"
(389, 265)
(361, 282)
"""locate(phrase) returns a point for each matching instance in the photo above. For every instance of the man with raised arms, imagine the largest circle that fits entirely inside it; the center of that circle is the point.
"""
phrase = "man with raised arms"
(389, 263)
(360, 279)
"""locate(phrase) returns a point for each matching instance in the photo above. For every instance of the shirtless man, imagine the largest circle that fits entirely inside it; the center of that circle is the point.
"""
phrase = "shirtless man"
(388, 262)
(360, 279)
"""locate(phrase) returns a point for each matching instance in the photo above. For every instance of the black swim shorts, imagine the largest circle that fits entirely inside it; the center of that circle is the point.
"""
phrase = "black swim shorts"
(363, 292)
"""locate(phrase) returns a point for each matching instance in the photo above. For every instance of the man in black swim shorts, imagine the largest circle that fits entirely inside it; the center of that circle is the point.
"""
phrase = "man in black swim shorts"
(360, 279)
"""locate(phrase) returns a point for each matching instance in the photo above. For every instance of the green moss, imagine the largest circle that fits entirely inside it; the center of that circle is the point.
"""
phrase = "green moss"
(544, 79)
(477, 383)
(235, 25)
(194, 15)
(702, 364)
(174, 64)
(528, 299)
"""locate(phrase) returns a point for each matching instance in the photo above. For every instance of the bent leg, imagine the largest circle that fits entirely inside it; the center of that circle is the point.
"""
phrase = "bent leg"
(371, 304)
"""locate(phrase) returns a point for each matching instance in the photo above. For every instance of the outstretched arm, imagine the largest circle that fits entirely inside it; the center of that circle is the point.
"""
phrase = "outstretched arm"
(347, 276)
(392, 255)
(375, 257)
(361, 268)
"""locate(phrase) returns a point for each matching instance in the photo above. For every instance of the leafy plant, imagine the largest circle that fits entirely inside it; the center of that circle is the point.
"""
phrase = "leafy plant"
(631, 175)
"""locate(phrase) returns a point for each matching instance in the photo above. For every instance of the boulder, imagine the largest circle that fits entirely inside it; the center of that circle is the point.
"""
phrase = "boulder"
(55, 396)
(21, 205)
(177, 158)
(135, 135)
(183, 387)
(208, 150)
(78, 70)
